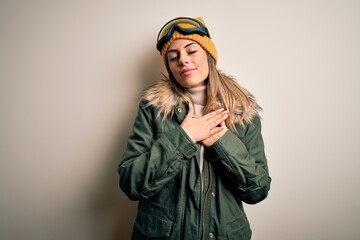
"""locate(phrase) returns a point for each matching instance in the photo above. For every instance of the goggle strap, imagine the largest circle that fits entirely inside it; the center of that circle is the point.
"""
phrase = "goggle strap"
(201, 30)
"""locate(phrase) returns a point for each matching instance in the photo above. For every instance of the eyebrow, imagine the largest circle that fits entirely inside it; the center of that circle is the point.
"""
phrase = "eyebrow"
(187, 45)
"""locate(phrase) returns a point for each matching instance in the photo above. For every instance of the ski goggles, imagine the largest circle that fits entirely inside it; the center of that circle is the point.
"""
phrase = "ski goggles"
(168, 29)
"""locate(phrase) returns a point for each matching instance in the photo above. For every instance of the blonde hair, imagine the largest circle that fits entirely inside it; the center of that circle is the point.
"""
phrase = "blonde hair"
(222, 91)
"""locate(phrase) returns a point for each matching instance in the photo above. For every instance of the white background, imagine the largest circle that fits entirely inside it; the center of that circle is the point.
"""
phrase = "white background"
(70, 76)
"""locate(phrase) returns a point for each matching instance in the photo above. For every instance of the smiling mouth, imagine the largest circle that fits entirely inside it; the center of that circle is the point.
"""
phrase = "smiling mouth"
(187, 72)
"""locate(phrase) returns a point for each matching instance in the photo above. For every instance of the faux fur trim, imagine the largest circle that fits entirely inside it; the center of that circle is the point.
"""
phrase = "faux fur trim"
(164, 98)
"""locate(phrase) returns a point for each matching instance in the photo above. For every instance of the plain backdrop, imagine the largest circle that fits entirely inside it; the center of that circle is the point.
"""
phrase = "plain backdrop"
(71, 73)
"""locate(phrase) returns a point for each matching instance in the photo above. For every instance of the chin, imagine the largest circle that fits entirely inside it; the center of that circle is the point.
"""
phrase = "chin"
(190, 82)
(190, 85)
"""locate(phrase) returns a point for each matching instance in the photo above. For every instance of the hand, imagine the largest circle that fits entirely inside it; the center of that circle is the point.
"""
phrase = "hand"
(213, 138)
(201, 128)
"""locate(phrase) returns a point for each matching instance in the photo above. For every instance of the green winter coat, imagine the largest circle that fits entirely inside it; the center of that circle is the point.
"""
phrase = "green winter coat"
(160, 169)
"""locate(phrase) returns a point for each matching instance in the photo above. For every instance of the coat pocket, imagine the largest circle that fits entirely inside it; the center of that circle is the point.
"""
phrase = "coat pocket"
(154, 221)
(238, 229)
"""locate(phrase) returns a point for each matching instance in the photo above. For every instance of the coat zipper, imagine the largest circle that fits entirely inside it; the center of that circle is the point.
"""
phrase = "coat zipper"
(204, 203)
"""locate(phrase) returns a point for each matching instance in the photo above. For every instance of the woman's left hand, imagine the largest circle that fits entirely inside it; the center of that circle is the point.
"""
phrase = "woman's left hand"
(213, 138)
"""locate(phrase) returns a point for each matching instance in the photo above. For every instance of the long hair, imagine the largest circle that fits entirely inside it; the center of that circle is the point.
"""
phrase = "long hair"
(222, 91)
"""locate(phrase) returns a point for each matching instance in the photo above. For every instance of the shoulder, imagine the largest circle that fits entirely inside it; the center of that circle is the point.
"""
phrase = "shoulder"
(159, 94)
(161, 97)
(251, 125)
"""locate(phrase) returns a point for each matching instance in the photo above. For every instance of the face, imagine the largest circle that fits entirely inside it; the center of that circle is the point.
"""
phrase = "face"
(188, 62)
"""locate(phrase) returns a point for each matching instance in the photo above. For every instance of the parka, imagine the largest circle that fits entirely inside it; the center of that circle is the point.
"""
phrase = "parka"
(160, 170)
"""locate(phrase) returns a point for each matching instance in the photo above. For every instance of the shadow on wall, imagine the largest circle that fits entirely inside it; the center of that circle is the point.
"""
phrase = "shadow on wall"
(110, 203)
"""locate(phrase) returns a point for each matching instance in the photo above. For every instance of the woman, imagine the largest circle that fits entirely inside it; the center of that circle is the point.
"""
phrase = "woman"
(196, 151)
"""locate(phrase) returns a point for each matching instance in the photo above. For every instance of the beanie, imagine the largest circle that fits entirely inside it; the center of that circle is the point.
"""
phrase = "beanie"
(204, 41)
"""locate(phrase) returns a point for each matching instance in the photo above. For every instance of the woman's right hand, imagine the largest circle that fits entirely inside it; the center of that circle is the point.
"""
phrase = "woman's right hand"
(201, 128)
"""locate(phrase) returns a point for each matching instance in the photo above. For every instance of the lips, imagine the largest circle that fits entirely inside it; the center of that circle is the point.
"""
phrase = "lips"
(187, 71)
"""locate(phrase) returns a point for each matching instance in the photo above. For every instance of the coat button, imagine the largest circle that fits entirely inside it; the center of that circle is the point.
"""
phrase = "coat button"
(211, 235)
(179, 110)
(213, 194)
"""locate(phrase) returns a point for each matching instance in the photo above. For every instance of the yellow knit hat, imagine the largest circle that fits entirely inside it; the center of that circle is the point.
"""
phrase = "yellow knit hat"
(204, 41)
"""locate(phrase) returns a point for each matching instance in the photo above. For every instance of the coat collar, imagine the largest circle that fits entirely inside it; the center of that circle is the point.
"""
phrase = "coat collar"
(167, 103)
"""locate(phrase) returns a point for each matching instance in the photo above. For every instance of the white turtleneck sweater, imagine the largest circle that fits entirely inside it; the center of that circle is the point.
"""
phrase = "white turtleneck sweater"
(198, 95)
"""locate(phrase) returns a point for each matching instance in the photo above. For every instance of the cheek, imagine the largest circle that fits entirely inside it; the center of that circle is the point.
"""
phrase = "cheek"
(203, 61)
(205, 65)
(172, 69)
(206, 72)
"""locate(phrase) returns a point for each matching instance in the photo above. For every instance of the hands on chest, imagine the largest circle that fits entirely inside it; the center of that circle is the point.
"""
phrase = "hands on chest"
(206, 129)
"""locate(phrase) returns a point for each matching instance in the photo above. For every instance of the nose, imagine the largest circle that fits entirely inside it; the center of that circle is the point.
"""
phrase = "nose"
(183, 59)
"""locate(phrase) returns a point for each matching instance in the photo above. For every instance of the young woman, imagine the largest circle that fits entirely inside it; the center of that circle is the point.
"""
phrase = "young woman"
(196, 152)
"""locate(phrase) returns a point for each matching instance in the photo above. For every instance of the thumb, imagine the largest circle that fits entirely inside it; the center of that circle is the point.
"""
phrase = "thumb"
(223, 125)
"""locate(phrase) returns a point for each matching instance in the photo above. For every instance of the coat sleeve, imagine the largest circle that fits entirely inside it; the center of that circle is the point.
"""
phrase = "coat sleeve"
(242, 164)
(149, 162)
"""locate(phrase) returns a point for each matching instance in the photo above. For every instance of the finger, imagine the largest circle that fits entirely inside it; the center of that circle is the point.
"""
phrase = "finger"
(221, 119)
(215, 130)
(213, 113)
(222, 115)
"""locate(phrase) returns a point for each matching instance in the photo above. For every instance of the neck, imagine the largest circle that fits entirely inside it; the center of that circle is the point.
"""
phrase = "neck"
(198, 95)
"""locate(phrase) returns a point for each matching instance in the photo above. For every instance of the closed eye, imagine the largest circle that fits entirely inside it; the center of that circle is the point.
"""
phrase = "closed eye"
(173, 58)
